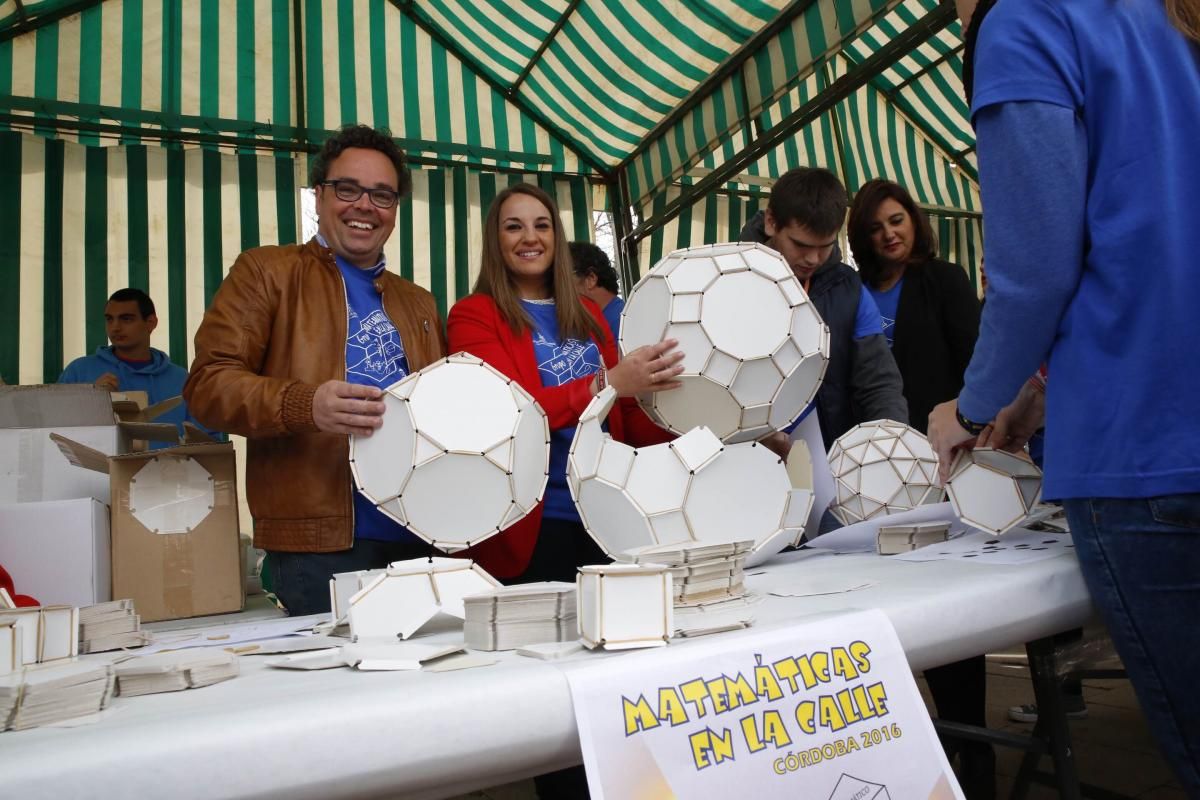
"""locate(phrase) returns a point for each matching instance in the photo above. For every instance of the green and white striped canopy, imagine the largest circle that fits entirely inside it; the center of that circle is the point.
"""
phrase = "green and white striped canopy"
(152, 140)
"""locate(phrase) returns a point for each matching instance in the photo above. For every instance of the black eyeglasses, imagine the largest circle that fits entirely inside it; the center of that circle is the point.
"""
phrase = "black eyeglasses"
(349, 192)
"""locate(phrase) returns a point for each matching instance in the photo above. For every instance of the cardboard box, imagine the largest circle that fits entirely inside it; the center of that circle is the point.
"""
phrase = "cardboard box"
(175, 545)
(32, 468)
(58, 551)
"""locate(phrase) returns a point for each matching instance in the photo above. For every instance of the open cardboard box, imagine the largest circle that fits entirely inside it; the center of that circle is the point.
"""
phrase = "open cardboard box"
(31, 467)
(174, 527)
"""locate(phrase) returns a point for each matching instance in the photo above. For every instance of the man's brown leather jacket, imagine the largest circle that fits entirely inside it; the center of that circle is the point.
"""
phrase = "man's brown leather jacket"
(275, 331)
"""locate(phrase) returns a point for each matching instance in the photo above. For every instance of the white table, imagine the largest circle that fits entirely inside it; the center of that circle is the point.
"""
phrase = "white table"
(278, 733)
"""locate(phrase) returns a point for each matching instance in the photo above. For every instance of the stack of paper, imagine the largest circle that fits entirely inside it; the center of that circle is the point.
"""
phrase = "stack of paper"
(47, 694)
(109, 626)
(48, 633)
(514, 616)
(175, 670)
(894, 539)
(709, 584)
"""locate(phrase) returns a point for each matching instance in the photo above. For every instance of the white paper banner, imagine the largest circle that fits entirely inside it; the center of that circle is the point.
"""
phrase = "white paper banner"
(827, 709)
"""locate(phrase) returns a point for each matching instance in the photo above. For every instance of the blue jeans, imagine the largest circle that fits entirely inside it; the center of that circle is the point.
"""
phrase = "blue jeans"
(1141, 560)
(301, 580)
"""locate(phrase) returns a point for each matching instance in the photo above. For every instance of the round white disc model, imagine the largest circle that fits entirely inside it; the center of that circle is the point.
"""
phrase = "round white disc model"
(755, 349)
(694, 489)
(463, 453)
(993, 490)
(881, 468)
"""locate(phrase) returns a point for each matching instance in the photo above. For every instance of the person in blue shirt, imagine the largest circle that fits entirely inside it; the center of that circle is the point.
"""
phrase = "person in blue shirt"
(129, 363)
(597, 280)
(1087, 118)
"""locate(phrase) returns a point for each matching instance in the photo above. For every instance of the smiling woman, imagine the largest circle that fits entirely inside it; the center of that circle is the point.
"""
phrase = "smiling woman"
(527, 320)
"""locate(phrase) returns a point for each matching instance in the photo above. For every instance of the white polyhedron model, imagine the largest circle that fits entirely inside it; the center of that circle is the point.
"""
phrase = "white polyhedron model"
(622, 606)
(755, 349)
(457, 429)
(408, 594)
(881, 468)
(693, 489)
(993, 490)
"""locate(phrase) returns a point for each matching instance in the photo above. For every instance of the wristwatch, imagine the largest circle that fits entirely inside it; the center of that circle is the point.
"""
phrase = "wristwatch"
(970, 426)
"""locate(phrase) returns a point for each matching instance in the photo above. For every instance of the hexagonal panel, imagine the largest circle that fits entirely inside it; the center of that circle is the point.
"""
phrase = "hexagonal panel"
(530, 462)
(740, 495)
(768, 263)
(797, 391)
(745, 315)
(757, 382)
(445, 406)
(808, 330)
(647, 312)
(381, 462)
(699, 402)
(693, 343)
(436, 500)
(612, 518)
(693, 275)
(658, 480)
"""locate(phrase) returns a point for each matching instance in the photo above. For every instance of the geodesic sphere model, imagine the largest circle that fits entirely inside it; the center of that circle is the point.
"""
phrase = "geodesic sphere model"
(694, 489)
(755, 348)
(463, 453)
(880, 468)
(993, 490)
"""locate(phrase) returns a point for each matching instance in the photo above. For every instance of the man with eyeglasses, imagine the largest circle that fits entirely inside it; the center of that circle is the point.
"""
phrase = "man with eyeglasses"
(293, 354)
(804, 214)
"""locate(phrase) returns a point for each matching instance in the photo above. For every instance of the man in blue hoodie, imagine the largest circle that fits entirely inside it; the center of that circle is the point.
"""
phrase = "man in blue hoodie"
(130, 364)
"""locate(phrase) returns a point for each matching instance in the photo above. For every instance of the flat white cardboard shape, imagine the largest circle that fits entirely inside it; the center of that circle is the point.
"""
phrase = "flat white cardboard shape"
(343, 586)
(692, 489)
(751, 309)
(993, 490)
(409, 593)
(171, 494)
(397, 656)
(881, 468)
(624, 606)
(58, 551)
(456, 429)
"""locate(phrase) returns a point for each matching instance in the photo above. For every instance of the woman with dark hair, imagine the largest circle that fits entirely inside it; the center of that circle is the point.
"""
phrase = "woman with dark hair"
(930, 311)
(931, 320)
(527, 320)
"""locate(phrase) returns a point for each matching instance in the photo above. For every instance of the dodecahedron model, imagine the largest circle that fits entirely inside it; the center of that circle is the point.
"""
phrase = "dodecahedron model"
(463, 453)
(993, 490)
(755, 349)
(880, 468)
(622, 606)
(693, 489)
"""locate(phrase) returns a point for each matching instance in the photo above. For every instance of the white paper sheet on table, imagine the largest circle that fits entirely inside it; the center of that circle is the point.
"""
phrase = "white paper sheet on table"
(1018, 546)
(226, 635)
(825, 584)
(861, 536)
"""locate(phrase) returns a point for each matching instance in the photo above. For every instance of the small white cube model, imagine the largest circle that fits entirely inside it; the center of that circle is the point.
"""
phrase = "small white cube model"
(993, 490)
(755, 349)
(881, 468)
(463, 453)
(396, 603)
(693, 489)
(623, 606)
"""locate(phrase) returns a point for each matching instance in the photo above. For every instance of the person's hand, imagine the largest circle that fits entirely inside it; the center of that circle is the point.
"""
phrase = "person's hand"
(778, 443)
(107, 381)
(1017, 421)
(947, 437)
(651, 368)
(340, 407)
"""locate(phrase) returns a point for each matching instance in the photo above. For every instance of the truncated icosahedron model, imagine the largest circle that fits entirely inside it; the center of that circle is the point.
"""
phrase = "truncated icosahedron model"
(993, 490)
(456, 429)
(693, 489)
(755, 349)
(880, 468)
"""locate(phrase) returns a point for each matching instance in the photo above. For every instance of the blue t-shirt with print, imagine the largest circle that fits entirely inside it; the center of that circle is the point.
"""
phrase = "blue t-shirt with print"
(888, 302)
(612, 313)
(559, 361)
(374, 357)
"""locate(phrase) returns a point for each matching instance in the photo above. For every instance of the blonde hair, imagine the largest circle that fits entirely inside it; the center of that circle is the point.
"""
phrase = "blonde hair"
(495, 281)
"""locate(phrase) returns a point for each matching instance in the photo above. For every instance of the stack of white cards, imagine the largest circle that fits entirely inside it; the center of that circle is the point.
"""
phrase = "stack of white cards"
(51, 693)
(109, 626)
(895, 539)
(515, 616)
(708, 583)
(174, 671)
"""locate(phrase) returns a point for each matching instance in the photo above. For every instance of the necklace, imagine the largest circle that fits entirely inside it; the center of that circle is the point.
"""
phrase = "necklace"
(548, 301)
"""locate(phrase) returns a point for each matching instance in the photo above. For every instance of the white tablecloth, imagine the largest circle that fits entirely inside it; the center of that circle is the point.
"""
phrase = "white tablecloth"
(280, 733)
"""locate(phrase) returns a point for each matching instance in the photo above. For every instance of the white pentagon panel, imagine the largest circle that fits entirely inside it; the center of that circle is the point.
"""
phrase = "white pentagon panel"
(381, 462)
(741, 494)
(647, 311)
(612, 518)
(752, 310)
(171, 494)
(880, 468)
(445, 405)
(993, 490)
(756, 382)
(658, 481)
(453, 459)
